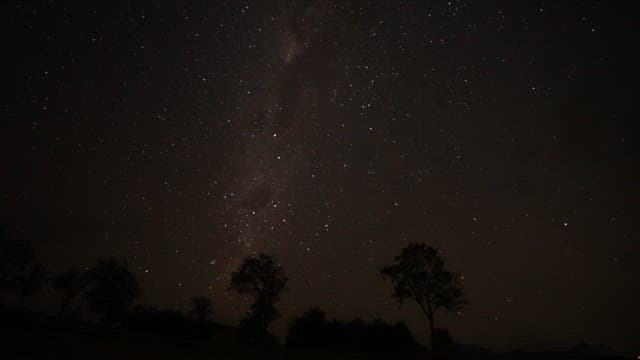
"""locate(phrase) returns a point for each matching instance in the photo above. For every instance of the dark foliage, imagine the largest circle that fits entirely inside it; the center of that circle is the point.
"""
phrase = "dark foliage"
(31, 281)
(308, 330)
(419, 273)
(18, 271)
(263, 279)
(71, 285)
(160, 322)
(201, 309)
(110, 289)
(313, 330)
(16, 255)
(441, 342)
(252, 332)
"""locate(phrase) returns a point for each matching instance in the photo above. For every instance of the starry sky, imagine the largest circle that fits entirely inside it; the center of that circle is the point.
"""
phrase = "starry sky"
(185, 136)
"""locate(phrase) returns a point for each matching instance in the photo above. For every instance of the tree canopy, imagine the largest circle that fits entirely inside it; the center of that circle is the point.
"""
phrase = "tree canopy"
(262, 278)
(110, 289)
(201, 309)
(419, 273)
(19, 273)
(71, 285)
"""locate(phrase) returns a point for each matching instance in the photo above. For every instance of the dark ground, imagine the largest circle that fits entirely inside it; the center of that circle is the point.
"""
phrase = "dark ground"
(38, 336)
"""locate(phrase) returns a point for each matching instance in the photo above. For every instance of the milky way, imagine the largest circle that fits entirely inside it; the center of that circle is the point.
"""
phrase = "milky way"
(272, 145)
(184, 136)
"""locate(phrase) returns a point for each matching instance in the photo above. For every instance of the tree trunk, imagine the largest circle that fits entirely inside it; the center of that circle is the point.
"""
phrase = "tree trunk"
(432, 326)
(64, 303)
(428, 312)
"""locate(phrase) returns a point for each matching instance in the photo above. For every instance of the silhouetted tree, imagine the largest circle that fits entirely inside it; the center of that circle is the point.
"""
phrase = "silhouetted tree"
(70, 285)
(441, 341)
(201, 309)
(111, 289)
(263, 279)
(419, 273)
(308, 330)
(30, 282)
(312, 330)
(161, 322)
(17, 270)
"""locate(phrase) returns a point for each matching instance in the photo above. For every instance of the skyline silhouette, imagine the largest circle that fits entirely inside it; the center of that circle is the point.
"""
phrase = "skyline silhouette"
(109, 309)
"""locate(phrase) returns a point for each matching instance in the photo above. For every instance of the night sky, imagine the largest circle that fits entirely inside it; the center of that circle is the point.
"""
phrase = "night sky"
(185, 137)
